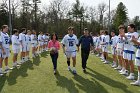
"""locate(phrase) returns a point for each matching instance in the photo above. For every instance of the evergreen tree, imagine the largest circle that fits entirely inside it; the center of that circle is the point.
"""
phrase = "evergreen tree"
(120, 16)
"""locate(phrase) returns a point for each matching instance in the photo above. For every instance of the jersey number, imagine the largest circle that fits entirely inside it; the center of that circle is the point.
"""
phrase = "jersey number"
(71, 43)
(6, 41)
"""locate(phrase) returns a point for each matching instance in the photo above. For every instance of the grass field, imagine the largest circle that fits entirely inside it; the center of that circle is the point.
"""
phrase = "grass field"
(36, 76)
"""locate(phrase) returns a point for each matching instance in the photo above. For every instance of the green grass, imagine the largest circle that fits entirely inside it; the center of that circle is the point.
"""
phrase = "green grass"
(36, 76)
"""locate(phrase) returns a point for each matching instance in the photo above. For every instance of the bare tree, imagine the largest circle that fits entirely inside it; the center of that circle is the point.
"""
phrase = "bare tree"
(14, 5)
(102, 8)
(92, 13)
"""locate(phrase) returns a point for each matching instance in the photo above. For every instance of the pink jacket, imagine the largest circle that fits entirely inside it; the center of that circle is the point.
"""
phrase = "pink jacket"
(55, 44)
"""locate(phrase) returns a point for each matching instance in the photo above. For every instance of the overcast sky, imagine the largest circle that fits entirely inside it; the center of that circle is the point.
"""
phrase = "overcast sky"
(133, 6)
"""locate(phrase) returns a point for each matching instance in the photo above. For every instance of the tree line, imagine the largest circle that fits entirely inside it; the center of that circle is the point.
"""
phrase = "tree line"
(60, 14)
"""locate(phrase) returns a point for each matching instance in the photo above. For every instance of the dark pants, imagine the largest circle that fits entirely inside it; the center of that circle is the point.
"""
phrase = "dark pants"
(84, 55)
(54, 60)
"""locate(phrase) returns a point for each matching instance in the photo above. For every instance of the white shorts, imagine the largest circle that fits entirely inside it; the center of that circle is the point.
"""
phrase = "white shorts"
(7, 53)
(113, 51)
(16, 51)
(125, 54)
(119, 52)
(137, 61)
(46, 43)
(130, 56)
(34, 44)
(100, 46)
(104, 49)
(70, 54)
(41, 43)
(28, 47)
(23, 49)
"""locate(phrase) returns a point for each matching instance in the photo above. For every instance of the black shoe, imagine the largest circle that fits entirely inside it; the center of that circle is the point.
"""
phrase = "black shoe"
(54, 72)
(84, 70)
(74, 72)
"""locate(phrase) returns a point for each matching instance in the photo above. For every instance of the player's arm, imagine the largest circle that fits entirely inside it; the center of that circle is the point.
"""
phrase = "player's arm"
(134, 40)
(15, 41)
(63, 44)
(1, 45)
(42, 38)
(49, 46)
(2, 48)
(20, 40)
(33, 38)
(79, 42)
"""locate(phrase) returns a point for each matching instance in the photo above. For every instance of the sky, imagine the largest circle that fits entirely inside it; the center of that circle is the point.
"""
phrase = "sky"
(133, 6)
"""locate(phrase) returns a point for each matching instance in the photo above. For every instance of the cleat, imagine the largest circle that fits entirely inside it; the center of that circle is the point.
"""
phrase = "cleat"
(136, 83)
(118, 68)
(125, 73)
(74, 72)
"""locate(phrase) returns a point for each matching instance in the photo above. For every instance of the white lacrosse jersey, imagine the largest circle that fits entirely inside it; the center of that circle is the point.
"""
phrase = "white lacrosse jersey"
(107, 39)
(22, 38)
(120, 42)
(40, 38)
(5, 40)
(70, 42)
(28, 39)
(94, 39)
(46, 38)
(103, 40)
(129, 38)
(114, 41)
(138, 50)
(33, 38)
(97, 43)
(15, 42)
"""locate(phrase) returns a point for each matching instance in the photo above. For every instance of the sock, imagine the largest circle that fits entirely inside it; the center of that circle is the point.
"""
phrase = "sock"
(123, 69)
(6, 67)
(14, 64)
(33, 54)
(74, 68)
(105, 57)
(131, 74)
(138, 76)
(68, 62)
(0, 69)
(23, 58)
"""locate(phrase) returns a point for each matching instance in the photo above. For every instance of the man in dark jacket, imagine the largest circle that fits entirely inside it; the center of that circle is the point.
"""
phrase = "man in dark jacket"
(86, 43)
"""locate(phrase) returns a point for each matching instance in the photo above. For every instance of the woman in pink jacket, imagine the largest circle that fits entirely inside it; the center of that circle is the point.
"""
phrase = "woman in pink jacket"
(53, 47)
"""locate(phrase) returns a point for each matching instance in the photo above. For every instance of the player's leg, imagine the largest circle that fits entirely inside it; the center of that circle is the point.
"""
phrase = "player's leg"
(130, 60)
(1, 60)
(28, 51)
(102, 55)
(137, 63)
(15, 58)
(124, 64)
(7, 54)
(33, 51)
(106, 55)
(39, 48)
(21, 54)
(74, 62)
(113, 51)
(68, 55)
(36, 49)
(119, 67)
